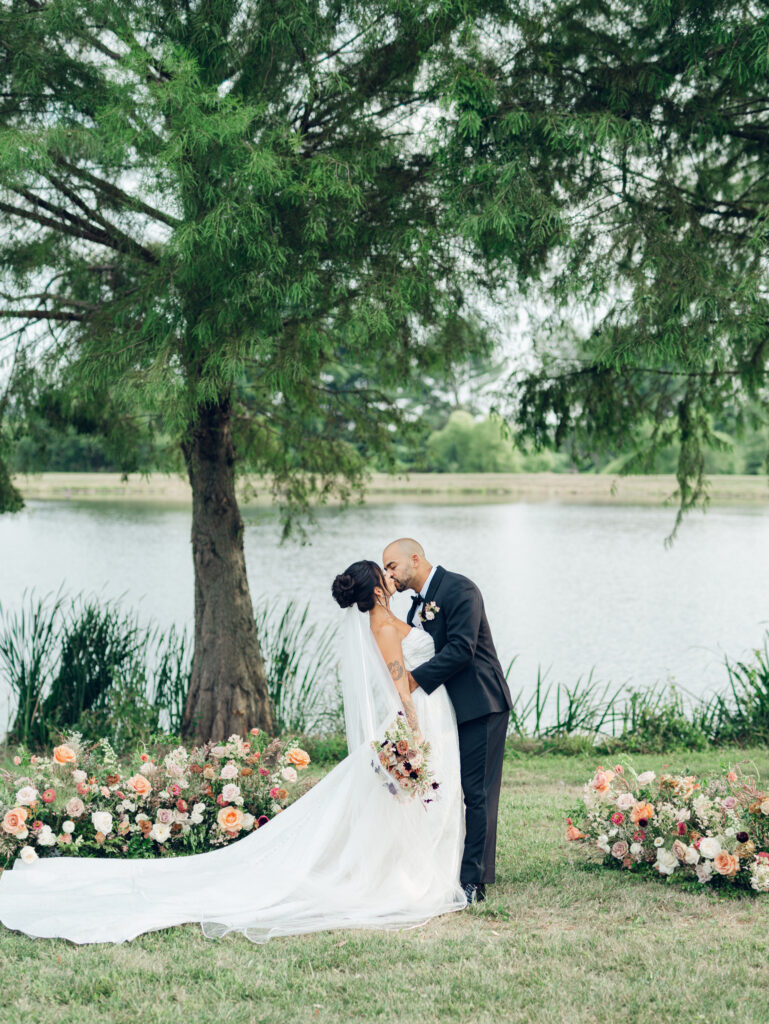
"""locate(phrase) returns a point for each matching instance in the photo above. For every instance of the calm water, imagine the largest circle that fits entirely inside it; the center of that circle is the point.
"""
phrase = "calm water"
(569, 587)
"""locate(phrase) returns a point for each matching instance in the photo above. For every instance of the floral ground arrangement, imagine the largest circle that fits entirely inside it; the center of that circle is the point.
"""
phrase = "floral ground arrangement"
(84, 802)
(710, 831)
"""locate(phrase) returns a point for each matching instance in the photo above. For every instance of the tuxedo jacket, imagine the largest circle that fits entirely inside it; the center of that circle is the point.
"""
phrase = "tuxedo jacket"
(465, 659)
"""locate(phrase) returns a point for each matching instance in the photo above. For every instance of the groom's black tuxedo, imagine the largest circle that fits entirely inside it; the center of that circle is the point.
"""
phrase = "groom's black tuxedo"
(465, 659)
(466, 663)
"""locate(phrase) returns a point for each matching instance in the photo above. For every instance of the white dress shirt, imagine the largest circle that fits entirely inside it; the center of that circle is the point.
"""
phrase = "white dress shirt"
(423, 594)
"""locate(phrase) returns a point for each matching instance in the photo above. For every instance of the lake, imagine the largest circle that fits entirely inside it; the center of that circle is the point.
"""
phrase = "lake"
(567, 587)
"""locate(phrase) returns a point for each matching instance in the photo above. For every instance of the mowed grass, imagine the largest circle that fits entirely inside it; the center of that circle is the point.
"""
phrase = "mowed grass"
(558, 940)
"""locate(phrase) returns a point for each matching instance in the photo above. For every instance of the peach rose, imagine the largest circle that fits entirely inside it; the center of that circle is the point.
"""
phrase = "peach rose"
(14, 820)
(230, 819)
(602, 781)
(299, 758)
(641, 811)
(725, 863)
(140, 785)
(64, 754)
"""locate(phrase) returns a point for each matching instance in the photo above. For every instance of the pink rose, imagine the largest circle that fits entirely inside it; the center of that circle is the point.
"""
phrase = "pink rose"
(229, 771)
(620, 849)
(75, 807)
(625, 801)
(729, 802)
(165, 815)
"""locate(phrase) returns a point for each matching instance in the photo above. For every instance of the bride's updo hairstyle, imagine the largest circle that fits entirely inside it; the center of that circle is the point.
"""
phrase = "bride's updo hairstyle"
(356, 585)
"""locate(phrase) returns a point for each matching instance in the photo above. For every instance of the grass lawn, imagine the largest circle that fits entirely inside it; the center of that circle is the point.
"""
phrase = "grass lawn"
(558, 940)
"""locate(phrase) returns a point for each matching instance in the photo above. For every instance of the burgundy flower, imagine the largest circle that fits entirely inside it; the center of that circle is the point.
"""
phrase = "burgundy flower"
(742, 837)
(261, 820)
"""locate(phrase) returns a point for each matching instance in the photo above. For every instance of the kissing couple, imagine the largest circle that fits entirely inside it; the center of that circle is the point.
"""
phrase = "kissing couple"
(349, 853)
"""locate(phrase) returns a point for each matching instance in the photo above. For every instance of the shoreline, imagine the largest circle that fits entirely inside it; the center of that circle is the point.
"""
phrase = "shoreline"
(425, 488)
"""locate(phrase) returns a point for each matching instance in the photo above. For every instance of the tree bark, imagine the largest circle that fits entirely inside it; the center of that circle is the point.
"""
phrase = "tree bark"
(228, 688)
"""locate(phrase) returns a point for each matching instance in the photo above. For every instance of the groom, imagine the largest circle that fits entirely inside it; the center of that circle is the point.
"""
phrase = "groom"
(450, 608)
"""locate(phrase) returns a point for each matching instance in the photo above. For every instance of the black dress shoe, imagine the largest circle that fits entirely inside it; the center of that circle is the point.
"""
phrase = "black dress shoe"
(471, 892)
(480, 892)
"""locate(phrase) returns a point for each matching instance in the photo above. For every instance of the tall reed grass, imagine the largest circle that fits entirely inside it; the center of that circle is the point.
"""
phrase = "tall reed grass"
(587, 713)
(89, 665)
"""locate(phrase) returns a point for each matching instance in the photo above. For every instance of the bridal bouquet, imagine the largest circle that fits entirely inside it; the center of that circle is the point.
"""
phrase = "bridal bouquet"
(84, 802)
(404, 763)
(711, 831)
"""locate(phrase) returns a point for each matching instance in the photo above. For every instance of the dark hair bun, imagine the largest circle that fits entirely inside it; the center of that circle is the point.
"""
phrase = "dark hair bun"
(343, 590)
(356, 586)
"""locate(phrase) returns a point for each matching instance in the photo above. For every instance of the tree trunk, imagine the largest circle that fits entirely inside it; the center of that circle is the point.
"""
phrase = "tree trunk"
(228, 689)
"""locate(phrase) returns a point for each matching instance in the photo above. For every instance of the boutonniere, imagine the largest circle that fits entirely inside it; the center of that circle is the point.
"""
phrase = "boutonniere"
(429, 611)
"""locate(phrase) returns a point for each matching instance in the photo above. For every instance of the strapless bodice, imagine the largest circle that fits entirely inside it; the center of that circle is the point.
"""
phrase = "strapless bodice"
(418, 647)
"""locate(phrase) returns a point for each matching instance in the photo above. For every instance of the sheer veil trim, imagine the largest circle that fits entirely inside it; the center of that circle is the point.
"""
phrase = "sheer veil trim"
(370, 698)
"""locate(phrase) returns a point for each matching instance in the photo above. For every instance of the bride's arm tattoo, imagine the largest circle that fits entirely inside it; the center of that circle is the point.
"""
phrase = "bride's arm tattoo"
(397, 671)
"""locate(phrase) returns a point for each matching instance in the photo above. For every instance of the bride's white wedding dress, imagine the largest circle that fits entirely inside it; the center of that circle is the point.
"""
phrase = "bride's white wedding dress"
(348, 854)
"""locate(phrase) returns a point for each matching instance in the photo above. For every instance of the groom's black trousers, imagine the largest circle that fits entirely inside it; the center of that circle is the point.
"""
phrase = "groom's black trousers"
(481, 752)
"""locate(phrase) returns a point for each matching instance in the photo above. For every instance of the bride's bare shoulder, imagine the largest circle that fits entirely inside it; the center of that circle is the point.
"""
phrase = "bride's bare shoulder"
(390, 628)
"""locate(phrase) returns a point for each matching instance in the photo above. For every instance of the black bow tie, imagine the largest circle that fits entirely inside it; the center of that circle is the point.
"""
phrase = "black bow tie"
(416, 600)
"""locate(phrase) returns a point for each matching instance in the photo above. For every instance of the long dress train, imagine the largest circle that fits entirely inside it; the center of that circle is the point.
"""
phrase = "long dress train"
(348, 854)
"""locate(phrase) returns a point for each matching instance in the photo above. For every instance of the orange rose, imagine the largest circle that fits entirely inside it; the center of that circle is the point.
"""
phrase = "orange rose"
(230, 819)
(245, 772)
(140, 785)
(725, 863)
(640, 811)
(297, 757)
(14, 820)
(64, 754)
(572, 832)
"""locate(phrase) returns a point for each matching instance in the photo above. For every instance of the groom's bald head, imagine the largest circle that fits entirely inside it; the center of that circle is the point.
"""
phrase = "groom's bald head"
(405, 563)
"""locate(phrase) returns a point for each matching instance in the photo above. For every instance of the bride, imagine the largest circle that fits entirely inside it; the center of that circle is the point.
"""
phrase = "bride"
(348, 854)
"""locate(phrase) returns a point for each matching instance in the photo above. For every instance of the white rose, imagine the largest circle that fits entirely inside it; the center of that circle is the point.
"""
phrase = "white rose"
(730, 831)
(22, 834)
(198, 808)
(26, 796)
(692, 855)
(289, 774)
(27, 854)
(666, 862)
(248, 821)
(195, 819)
(229, 771)
(129, 805)
(625, 801)
(646, 778)
(635, 849)
(659, 841)
(79, 775)
(710, 847)
(102, 822)
(160, 832)
(613, 832)
(68, 826)
(45, 836)
(760, 877)
(602, 842)
(231, 793)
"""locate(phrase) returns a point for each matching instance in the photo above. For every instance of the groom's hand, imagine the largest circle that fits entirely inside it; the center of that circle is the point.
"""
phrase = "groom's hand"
(413, 684)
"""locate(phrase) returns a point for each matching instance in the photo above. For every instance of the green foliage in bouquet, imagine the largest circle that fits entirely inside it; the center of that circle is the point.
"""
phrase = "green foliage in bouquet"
(86, 802)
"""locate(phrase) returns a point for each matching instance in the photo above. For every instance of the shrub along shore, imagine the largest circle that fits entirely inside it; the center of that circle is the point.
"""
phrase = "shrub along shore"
(577, 488)
(89, 666)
